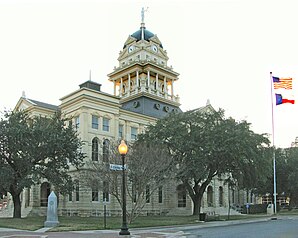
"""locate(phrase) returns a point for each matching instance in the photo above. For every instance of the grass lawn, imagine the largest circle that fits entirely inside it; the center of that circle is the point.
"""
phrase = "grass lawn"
(97, 223)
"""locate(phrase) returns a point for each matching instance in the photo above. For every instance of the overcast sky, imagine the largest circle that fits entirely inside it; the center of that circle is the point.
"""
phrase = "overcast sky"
(224, 51)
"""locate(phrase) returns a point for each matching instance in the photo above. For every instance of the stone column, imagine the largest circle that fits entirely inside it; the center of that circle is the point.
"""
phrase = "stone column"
(172, 89)
(129, 89)
(156, 83)
(148, 81)
(121, 86)
(137, 81)
(115, 88)
(165, 88)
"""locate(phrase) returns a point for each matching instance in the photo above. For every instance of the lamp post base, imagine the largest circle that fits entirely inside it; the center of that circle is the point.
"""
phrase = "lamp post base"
(124, 231)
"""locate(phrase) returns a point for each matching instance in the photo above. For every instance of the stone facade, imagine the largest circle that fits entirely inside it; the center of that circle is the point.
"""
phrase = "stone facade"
(143, 92)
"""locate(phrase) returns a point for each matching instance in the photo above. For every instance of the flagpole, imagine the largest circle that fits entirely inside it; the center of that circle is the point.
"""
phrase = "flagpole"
(273, 143)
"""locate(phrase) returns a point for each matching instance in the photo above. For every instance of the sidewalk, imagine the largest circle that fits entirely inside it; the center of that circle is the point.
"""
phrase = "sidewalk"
(153, 232)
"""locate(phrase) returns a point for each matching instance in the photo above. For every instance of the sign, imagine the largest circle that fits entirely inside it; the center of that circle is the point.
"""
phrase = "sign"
(117, 167)
(247, 205)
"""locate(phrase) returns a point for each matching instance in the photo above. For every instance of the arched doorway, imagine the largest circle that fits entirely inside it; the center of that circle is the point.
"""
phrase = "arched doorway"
(45, 190)
(220, 196)
(181, 195)
(210, 196)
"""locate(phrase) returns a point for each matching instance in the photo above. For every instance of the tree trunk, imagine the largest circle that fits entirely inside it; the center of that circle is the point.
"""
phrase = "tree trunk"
(17, 205)
(196, 206)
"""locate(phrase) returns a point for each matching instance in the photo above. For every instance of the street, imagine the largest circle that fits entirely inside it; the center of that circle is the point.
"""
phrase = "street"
(281, 228)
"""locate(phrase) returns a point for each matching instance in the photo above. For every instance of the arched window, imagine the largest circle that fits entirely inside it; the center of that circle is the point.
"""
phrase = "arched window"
(220, 196)
(210, 196)
(94, 155)
(181, 195)
(45, 190)
(106, 150)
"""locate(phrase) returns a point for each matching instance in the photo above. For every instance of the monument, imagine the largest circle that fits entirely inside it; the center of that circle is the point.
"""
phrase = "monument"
(52, 212)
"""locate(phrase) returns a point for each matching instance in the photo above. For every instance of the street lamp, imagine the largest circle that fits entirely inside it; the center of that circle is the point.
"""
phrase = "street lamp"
(122, 148)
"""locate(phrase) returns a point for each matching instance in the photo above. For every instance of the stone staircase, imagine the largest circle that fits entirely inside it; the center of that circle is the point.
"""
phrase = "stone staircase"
(220, 210)
(7, 209)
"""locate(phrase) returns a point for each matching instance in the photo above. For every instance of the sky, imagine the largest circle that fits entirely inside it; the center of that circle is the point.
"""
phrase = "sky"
(224, 51)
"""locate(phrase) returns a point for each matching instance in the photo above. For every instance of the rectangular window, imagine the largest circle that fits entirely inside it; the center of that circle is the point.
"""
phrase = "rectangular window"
(147, 193)
(133, 133)
(77, 188)
(105, 194)
(160, 194)
(121, 131)
(77, 122)
(105, 124)
(94, 122)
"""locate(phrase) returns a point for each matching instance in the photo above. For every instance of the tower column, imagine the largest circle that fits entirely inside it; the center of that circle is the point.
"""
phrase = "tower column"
(165, 88)
(115, 88)
(129, 84)
(156, 83)
(148, 81)
(121, 86)
(137, 81)
(172, 89)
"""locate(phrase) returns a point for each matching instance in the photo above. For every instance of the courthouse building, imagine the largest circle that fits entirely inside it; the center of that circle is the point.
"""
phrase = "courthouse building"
(144, 91)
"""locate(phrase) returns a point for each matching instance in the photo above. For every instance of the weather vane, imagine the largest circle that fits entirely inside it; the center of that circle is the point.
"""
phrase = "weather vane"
(143, 13)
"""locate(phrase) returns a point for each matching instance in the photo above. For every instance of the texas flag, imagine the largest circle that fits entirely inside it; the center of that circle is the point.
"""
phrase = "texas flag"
(281, 100)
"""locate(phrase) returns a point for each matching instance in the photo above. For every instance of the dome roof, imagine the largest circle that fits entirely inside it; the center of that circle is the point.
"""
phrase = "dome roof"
(138, 35)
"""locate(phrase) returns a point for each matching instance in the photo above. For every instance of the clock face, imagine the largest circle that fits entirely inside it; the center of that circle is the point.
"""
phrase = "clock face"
(130, 48)
(154, 48)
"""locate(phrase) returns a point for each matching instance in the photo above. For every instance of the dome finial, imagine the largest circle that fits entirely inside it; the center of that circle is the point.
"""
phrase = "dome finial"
(143, 14)
(143, 21)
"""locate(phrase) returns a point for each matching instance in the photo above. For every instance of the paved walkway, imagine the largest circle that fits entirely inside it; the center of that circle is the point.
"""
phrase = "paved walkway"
(158, 232)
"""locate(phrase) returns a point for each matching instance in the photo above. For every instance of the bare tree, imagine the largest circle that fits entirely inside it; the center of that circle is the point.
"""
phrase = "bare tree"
(148, 166)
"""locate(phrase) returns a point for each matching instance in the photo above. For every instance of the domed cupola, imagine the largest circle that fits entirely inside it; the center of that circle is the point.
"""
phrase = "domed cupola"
(143, 80)
(142, 34)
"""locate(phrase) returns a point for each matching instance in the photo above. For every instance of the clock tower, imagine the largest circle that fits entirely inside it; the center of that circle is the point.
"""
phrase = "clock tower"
(143, 80)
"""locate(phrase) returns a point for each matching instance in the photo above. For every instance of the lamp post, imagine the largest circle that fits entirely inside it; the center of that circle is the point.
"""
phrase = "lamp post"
(122, 148)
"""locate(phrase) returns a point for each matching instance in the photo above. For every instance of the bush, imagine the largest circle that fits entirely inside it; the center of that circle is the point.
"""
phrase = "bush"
(255, 209)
